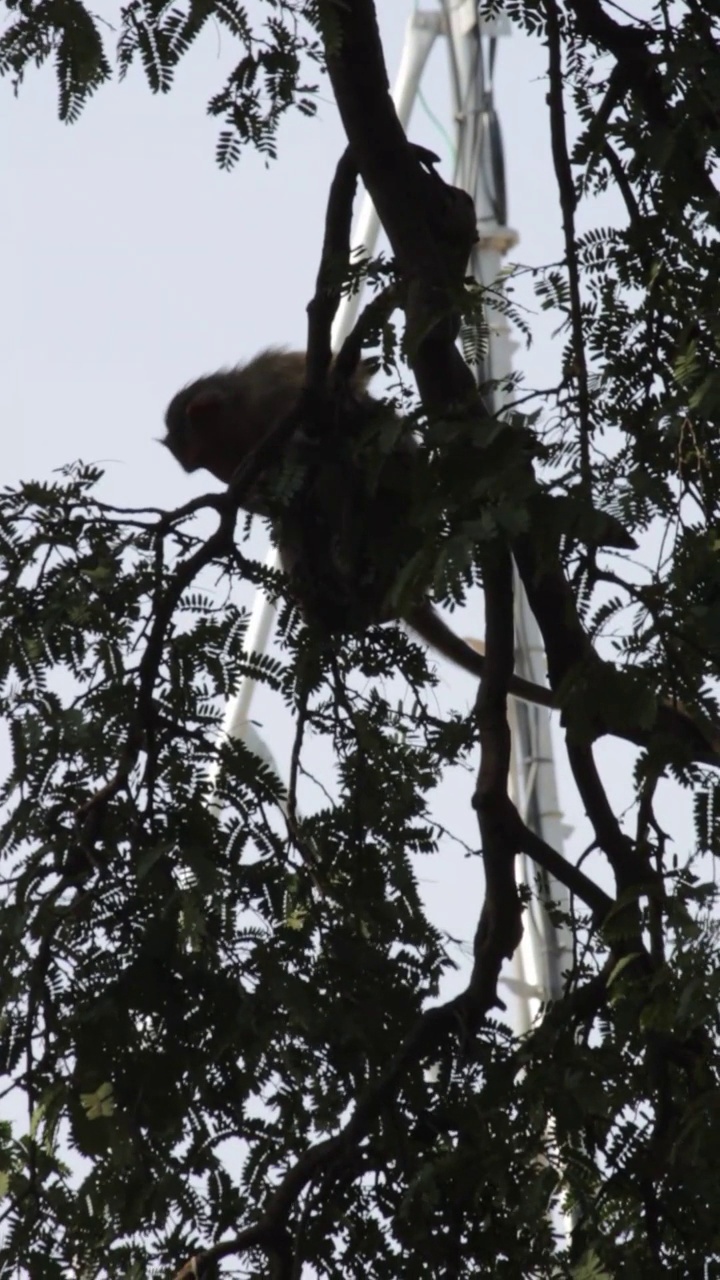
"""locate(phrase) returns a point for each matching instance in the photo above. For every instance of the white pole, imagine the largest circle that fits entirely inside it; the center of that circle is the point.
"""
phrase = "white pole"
(422, 29)
(544, 951)
(540, 959)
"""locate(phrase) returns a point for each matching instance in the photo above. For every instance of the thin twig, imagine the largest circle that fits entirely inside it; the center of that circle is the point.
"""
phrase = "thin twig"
(568, 202)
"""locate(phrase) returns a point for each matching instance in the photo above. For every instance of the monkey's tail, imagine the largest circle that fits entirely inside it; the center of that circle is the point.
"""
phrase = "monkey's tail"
(429, 625)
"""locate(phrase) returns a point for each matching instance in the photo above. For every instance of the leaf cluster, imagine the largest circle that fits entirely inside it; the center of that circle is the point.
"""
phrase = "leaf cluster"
(219, 993)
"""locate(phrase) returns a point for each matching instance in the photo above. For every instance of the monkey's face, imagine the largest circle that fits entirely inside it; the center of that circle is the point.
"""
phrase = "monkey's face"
(198, 434)
(180, 438)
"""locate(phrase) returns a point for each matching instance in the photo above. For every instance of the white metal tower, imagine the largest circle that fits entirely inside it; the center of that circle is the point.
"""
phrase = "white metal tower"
(472, 46)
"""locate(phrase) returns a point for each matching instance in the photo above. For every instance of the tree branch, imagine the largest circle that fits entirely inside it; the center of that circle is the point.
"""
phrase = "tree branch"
(571, 660)
(499, 929)
(599, 902)
(630, 868)
(334, 263)
(568, 202)
(638, 71)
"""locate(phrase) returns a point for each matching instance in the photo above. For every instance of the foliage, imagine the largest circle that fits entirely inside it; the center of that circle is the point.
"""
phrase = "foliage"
(262, 85)
(221, 998)
(183, 978)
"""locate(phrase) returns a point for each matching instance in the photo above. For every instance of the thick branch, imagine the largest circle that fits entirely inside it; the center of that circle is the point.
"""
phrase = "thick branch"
(570, 655)
(431, 228)
(430, 225)
(499, 929)
(333, 266)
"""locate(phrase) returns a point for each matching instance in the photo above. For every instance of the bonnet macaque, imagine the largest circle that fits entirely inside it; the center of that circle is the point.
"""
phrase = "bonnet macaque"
(339, 517)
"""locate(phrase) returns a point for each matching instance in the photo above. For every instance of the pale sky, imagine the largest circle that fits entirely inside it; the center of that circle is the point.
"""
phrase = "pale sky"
(132, 264)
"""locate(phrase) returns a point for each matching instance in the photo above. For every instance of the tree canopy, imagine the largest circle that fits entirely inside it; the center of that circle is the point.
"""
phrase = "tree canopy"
(221, 1007)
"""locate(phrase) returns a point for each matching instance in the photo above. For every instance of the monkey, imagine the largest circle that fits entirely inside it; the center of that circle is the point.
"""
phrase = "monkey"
(333, 532)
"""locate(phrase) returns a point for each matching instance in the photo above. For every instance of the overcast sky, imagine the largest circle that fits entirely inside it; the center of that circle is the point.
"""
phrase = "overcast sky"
(132, 264)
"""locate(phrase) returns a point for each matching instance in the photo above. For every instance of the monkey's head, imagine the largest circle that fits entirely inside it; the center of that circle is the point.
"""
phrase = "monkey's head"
(204, 427)
(215, 421)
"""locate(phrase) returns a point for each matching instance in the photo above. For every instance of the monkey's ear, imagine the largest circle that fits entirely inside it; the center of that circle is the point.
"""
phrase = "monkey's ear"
(204, 412)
